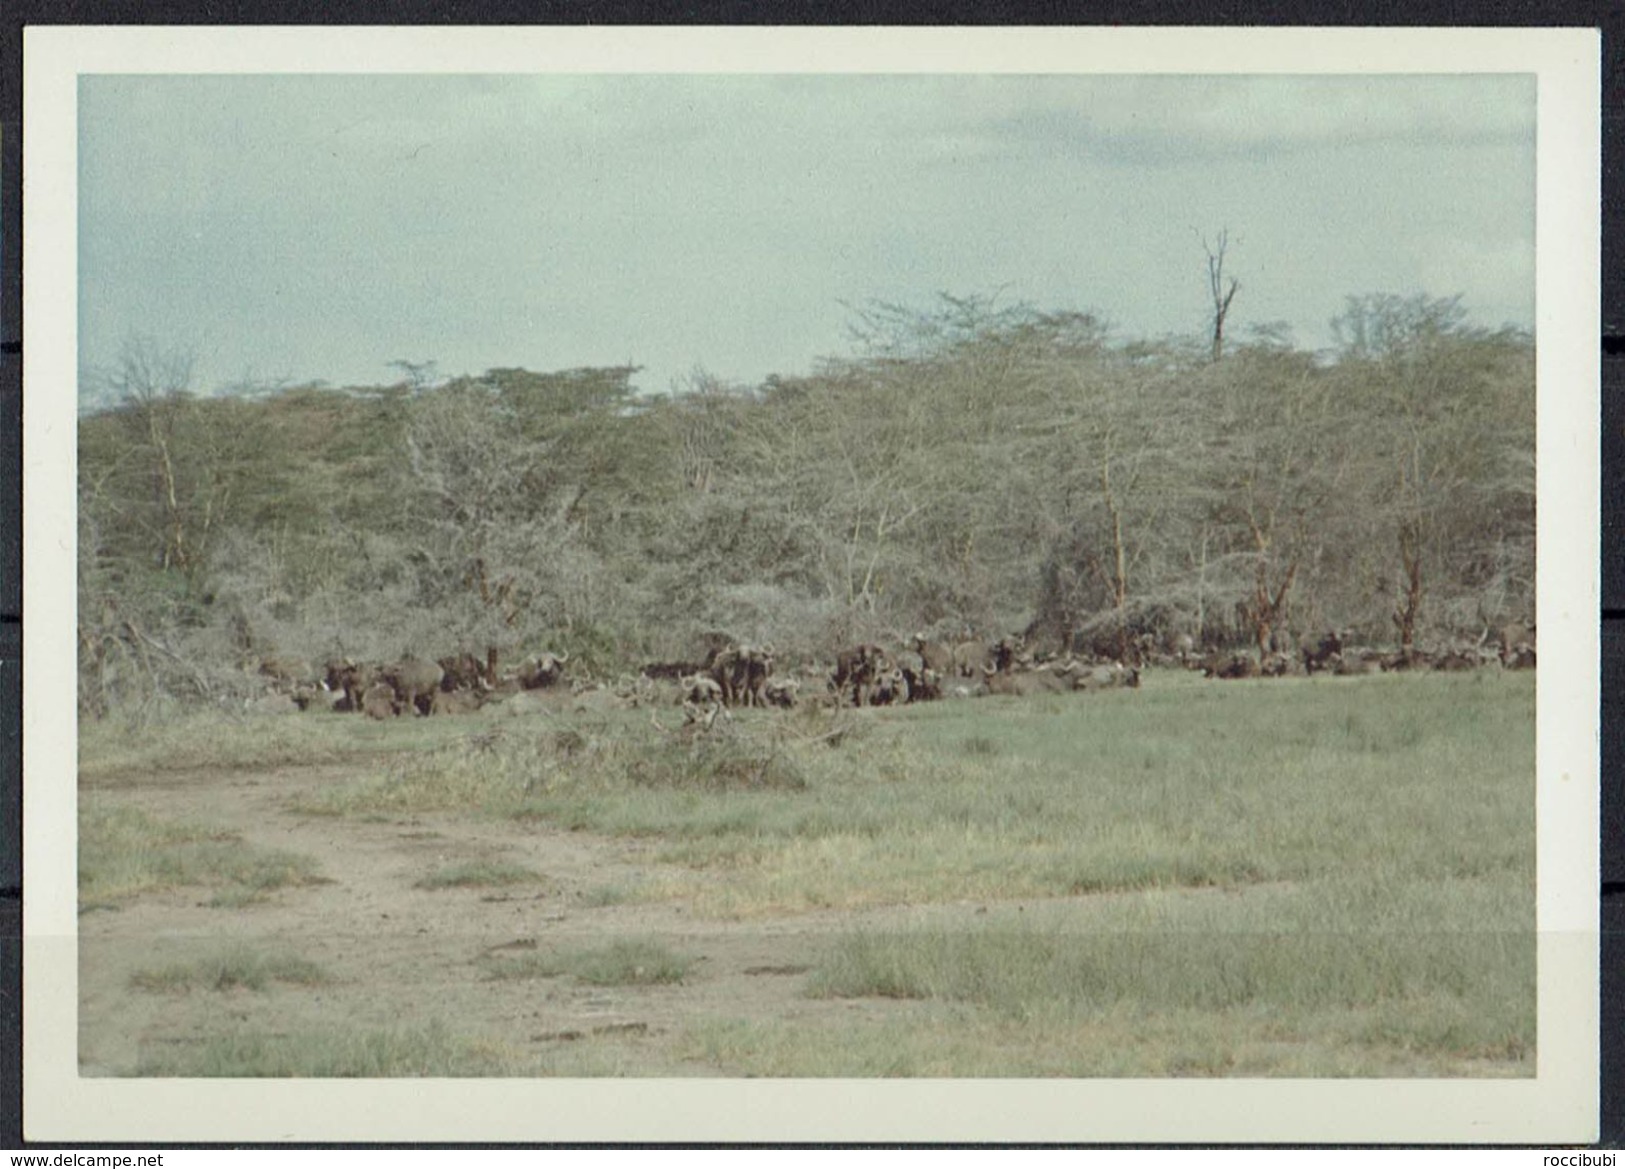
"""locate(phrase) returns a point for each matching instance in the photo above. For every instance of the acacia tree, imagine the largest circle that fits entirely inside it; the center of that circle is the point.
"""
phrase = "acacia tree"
(1274, 470)
(1454, 413)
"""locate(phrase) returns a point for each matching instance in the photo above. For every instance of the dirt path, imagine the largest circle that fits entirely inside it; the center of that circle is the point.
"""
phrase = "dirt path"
(402, 955)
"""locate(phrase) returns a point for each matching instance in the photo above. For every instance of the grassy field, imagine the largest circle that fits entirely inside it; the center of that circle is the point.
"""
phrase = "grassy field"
(1311, 877)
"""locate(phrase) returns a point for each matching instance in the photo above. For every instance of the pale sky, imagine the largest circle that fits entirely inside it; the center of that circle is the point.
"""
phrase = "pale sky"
(319, 227)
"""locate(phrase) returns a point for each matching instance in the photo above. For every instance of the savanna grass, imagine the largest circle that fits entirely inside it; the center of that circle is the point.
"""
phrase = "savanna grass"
(431, 1050)
(215, 739)
(479, 875)
(238, 968)
(1186, 783)
(124, 852)
(949, 1040)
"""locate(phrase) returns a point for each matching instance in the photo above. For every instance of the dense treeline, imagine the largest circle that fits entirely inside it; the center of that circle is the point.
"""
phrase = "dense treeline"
(968, 468)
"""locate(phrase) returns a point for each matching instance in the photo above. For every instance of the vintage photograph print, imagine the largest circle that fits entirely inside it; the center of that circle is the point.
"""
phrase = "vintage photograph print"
(839, 584)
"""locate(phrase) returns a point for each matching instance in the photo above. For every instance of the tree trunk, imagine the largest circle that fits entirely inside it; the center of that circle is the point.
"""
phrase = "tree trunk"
(1407, 608)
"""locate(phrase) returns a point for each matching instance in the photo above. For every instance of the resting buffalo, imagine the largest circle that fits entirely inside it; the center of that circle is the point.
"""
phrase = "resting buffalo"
(1108, 677)
(1355, 664)
(1025, 682)
(1517, 648)
(543, 671)
(699, 689)
(457, 701)
(1455, 661)
(1007, 654)
(890, 687)
(781, 692)
(1236, 665)
(379, 701)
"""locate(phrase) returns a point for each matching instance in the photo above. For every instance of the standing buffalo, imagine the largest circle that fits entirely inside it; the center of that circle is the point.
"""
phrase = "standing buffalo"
(463, 671)
(858, 668)
(934, 654)
(924, 683)
(969, 659)
(352, 678)
(749, 667)
(287, 674)
(415, 682)
(1320, 655)
(727, 670)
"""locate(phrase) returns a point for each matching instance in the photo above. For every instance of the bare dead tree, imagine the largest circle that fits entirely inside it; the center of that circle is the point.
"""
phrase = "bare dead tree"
(1222, 295)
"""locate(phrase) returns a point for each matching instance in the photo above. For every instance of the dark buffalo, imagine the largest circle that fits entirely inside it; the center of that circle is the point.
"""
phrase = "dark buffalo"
(1007, 654)
(727, 669)
(890, 688)
(1455, 661)
(463, 671)
(1517, 647)
(781, 692)
(752, 666)
(924, 682)
(543, 671)
(1356, 664)
(858, 668)
(350, 678)
(1230, 666)
(1320, 654)
(672, 671)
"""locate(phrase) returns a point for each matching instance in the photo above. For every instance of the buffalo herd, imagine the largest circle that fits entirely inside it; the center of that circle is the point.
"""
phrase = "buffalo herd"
(729, 674)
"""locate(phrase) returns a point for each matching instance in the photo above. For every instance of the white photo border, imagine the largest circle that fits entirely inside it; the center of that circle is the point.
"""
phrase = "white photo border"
(1557, 1105)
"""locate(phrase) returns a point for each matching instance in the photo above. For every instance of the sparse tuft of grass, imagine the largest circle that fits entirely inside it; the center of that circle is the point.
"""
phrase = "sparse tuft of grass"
(242, 968)
(602, 896)
(628, 963)
(479, 874)
(124, 852)
(431, 1050)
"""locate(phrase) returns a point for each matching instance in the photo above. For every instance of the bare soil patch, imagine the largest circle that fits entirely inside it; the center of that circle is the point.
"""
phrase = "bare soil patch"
(399, 954)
